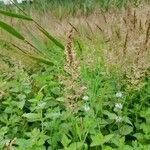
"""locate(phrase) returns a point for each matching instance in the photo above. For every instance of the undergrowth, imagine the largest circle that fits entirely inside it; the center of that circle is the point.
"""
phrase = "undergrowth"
(89, 92)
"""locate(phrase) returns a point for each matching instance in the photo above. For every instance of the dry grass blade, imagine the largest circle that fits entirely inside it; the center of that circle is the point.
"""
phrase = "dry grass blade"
(134, 20)
(38, 59)
(125, 45)
(99, 27)
(73, 27)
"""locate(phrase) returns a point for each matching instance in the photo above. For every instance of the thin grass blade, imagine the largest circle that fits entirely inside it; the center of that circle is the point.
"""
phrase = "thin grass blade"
(56, 42)
(14, 15)
(11, 30)
(41, 60)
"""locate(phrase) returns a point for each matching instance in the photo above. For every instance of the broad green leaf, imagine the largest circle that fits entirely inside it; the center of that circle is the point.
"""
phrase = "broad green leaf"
(39, 96)
(53, 115)
(32, 116)
(107, 138)
(4, 118)
(11, 30)
(21, 104)
(139, 136)
(110, 115)
(97, 140)
(77, 146)
(118, 140)
(3, 131)
(56, 42)
(22, 143)
(127, 147)
(55, 90)
(127, 120)
(6, 13)
(65, 141)
(126, 129)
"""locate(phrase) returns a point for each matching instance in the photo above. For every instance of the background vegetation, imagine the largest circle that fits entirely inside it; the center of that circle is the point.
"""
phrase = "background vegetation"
(75, 75)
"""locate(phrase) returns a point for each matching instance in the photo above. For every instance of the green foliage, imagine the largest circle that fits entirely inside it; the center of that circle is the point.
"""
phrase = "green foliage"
(15, 15)
(11, 30)
(109, 114)
(18, 35)
(33, 113)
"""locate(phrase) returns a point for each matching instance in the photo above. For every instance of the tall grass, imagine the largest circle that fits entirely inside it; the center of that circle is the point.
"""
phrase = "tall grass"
(91, 91)
(72, 7)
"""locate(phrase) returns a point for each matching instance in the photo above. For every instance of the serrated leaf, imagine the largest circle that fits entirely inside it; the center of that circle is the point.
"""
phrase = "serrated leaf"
(9, 14)
(127, 120)
(21, 104)
(76, 146)
(126, 129)
(55, 90)
(97, 140)
(39, 96)
(3, 131)
(11, 30)
(139, 136)
(107, 138)
(65, 141)
(110, 115)
(32, 117)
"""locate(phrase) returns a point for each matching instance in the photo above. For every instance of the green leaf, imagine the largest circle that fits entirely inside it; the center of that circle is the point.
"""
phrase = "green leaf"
(118, 141)
(55, 90)
(139, 136)
(56, 42)
(65, 141)
(126, 129)
(39, 96)
(97, 140)
(127, 120)
(22, 143)
(41, 60)
(127, 147)
(11, 30)
(9, 14)
(107, 138)
(21, 104)
(32, 117)
(3, 131)
(107, 148)
(77, 146)
(110, 115)
(60, 99)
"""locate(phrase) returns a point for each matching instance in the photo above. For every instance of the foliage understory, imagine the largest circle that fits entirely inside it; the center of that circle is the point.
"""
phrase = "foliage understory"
(91, 93)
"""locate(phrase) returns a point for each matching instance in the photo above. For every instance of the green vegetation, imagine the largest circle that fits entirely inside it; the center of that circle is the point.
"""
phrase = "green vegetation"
(88, 89)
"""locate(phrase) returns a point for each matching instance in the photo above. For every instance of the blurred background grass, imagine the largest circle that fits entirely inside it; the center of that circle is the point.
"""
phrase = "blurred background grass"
(94, 21)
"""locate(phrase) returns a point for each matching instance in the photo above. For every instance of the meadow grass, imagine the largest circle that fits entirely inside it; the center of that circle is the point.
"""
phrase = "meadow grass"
(77, 81)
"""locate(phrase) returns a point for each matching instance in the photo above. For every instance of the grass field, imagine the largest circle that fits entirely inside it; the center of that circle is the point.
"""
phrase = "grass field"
(75, 75)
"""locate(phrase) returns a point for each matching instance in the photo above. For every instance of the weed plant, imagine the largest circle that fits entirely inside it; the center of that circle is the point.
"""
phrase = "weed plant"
(90, 91)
